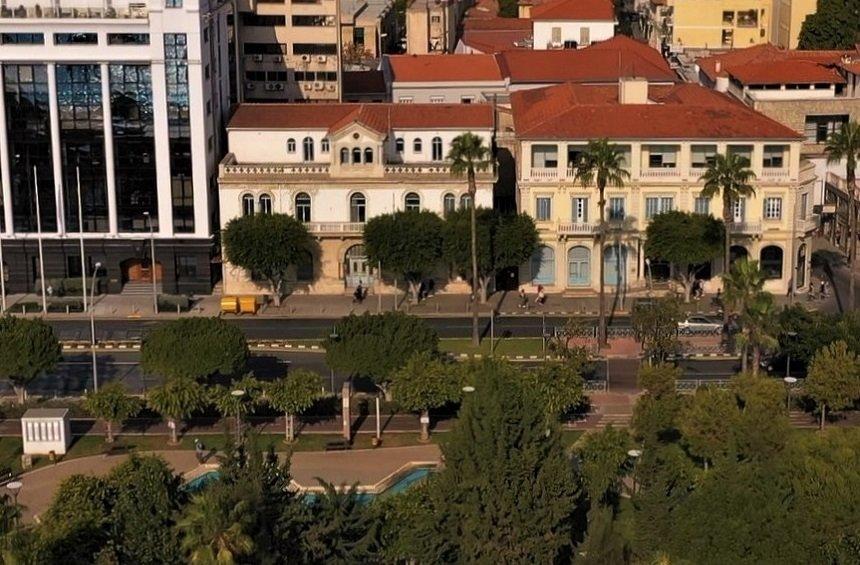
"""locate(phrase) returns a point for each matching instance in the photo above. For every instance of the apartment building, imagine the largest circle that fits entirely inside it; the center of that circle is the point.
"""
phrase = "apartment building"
(432, 25)
(571, 24)
(112, 114)
(335, 169)
(667, 134)
(368, 29)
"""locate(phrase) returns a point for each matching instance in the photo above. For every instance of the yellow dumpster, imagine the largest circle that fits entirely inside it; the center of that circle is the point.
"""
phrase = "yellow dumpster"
(248, 304)
(229, 304)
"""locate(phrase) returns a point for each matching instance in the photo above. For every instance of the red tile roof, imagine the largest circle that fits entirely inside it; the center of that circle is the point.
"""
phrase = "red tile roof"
(444, 68)
(768, 64)
(378, 117)
(489, 42)
(498, 24)
(577, 10)
(786, 72)
(682, 111)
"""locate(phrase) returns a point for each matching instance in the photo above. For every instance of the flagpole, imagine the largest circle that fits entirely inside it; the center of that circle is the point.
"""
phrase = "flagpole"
(39, 238)
(81, 236)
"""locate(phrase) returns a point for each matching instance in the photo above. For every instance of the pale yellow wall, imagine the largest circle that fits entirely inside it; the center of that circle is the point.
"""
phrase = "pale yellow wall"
(788, 20)
(699, 23)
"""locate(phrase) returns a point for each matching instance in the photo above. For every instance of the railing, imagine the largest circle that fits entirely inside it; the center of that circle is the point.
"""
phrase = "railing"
(781, 174)
(691, 385)
(838, 182)
(660, 173)
(419, 169)
(745, 227)
(696, 172)
(805, 225)
(545, 173)
(335, 227)
(577, 228)
(82, 9)
(288, 169)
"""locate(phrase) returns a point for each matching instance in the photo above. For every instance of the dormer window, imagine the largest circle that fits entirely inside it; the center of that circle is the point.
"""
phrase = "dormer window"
(416, 145)
(368, 155)
(291, 145)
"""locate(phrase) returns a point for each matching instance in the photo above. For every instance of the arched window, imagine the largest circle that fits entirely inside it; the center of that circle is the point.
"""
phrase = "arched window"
(344, 156)
(324, 145)
(398, 145)
(737, 252)
(291, 145)
(303, 207)
(800, 279)
(368, 155)
(412, 202)
(579, 266)
(416, 145)
(543, 265)
(449, 204)
(465, 201)
(437, 149)
(357, 208)
(771, 262)
(307, 149)
(248, 205)
(356, 155)
(265, 204)
(615, 264)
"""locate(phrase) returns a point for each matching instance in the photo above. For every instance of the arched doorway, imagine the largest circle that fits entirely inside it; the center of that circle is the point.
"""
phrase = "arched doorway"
(543, 265)
(800, 278)
(356, 268)
(737, 252)
(614, 265)
(770, 261)
(140, 270)
(579, 266)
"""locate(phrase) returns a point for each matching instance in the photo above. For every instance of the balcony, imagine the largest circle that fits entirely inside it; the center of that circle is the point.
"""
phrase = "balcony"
(662, 173)
(696, 173)
(577, 228)
(745, 228)
(806, 225)
(545, 173)
(76, 9)
(230, 167)
(775, 174)
(837, 182)
(335, 228)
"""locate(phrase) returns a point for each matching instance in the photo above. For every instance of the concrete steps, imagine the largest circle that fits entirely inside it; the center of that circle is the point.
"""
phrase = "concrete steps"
(138, 288)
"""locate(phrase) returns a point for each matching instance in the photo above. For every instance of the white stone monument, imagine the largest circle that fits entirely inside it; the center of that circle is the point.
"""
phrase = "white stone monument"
(45, 430)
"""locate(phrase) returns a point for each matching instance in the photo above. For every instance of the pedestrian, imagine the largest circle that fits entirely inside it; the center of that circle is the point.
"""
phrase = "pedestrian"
(541, 296)
(199, 450)
(524, 299)
(358, 295)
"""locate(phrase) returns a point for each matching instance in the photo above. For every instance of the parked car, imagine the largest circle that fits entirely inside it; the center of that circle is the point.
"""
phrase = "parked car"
(698, 324)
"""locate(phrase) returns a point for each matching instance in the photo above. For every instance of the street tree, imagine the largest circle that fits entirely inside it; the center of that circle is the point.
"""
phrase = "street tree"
(559, 384)
(834, 25)
(604, 462)
(374, 346)
(28, 348)
(655, 415)
(602, 165)
(759, 329)
(112, 405)
(655, 326)
(176, 400)
(762, 428)
(604, 542)
(426, 382)
(341, 530)
(408, 243)
(742, 285)
(194, 348)
(268, 245)
(707, 424)
(293, 394)
(702, 241)
(844, 145)
(469, 155)
(244, 396)
(729, 176)
(834, 379)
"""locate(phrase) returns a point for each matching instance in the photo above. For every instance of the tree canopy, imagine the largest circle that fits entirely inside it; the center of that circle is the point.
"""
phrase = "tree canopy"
(28, 348)
(834, 378)
(834, 25)
(113, 405)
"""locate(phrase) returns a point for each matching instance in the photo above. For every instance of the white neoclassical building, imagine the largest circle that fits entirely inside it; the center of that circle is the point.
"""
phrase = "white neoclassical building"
(336, 166)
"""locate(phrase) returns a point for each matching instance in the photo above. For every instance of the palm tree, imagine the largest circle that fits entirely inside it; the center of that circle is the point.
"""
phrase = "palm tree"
(602, 163)
(759, 323)
(730, 176)
(845, 144)
(176, 400)
(214, 528)
(742, 284)
(469, 155)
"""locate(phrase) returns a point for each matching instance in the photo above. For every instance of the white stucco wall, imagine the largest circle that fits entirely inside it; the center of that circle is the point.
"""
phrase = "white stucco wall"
(570, 31)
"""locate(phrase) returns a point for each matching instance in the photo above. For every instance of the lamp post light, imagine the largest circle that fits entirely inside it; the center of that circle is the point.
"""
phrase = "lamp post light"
(468, 389)
(239, 395)
(634, 454)
(92, 306)
(14, 488)
(152, 266)
(650, 276)
(334, 337)
(789, 381)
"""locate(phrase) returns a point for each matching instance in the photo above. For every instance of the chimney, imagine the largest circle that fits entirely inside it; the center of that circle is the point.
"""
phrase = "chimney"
(632, 90)
(718, 66)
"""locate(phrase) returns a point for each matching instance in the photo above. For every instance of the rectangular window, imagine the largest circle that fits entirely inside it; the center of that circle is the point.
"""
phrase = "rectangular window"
(804, 204)
(467, 99)
(744, 153)
(580, 210)
(76, 39)
(543, 207)
(172, 3)
(251, 19)
(728, 17)
(773, 208)
(545, 156)
(186, 267)
(128, 39)
(819, 128)
(728, 37)
(264, 48)
(437, 99)
(662, 156)
(657, 205)
(702, 155)
(624, 152)
(774, 156)
(556, 35)
(574, 156)
(179, 131)
(314, 49)
(616, 208)
(313, 21)
(748, 18)
(22, 38)
(358, 36)
(739, 210)
(702, 205)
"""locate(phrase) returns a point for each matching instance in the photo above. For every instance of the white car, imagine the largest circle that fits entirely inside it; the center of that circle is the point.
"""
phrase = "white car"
(699, 325)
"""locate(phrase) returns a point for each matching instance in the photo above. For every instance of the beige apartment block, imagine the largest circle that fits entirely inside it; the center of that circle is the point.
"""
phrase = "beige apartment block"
(431, 25)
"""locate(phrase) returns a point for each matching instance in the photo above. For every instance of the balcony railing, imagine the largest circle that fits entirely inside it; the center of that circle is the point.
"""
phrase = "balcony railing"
(660, 173)
(837, 181)
(745, 227)
(806, 225)
(775, 174)
(545, 173)
(577, 228)
(335, 227)
(262, 169)
(80, 9)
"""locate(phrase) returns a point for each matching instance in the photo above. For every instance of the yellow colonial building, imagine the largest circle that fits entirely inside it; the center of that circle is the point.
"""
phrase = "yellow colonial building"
(668, 135)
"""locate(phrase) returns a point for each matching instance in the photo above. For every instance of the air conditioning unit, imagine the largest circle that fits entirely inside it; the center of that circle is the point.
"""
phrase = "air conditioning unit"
(278, 59)
(321, 58)
(307, 86)
(250, 85)
(258, 58)
(318, 86)
(306, 58)
(331, 87)
(279, 86)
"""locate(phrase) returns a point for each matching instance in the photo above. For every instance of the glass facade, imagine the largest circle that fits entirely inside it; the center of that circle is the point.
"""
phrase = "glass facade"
(28, 126)
(179, 130)
(134, 146)
(79, 98)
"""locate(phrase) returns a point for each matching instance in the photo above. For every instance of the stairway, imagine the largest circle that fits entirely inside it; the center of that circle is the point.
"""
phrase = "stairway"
(140, 288)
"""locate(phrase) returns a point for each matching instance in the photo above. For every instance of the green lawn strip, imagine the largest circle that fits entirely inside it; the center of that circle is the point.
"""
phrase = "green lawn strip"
(503, 347)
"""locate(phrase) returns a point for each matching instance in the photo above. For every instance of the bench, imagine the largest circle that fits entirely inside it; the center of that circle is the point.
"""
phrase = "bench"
(341, 445)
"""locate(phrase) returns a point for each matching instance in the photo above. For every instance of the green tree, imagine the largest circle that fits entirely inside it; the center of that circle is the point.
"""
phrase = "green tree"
(194, 348)
(340, 529)
(469, 155)
(834, 379)
(762, 428)
(112, 405)
(759, 329)
(214, 528)
(267, 244)
(76, 525)
(804, 332)
(604, 541)
(426, 382)
(374, 346)
(845, 145)
(28, 348)
(707, 424)
(244, 396)
(655, 325)
(655, 415)
(408, 243)
(729, 176)
(292, 395)
(176, 400)
(507, 492)
(603, 463)
(834, 25)
(559, 384)
(702, 241)
(743, 284)
(602, 165)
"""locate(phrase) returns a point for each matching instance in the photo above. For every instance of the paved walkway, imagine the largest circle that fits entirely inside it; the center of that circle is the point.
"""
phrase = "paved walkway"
(365, 467)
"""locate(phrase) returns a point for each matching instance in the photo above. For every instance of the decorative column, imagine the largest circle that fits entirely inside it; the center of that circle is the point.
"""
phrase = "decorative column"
(110, 172)
(56, 160)
(5, 176)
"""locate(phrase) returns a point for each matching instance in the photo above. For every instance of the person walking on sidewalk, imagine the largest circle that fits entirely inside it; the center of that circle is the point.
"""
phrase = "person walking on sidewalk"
(523, 299)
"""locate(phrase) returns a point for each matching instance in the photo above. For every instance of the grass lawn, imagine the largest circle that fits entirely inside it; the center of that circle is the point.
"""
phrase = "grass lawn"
(504, 346)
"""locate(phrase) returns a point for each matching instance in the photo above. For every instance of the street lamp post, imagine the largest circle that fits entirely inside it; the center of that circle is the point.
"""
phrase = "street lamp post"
(788, 355)
(152, 269)
(239, 396)
(789, 381)
(14, 488)
(634, 454)
(96, 268)
(333, 336)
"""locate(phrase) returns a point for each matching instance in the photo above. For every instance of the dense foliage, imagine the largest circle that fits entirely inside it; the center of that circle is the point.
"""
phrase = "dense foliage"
(834, 25)
(28, 348)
